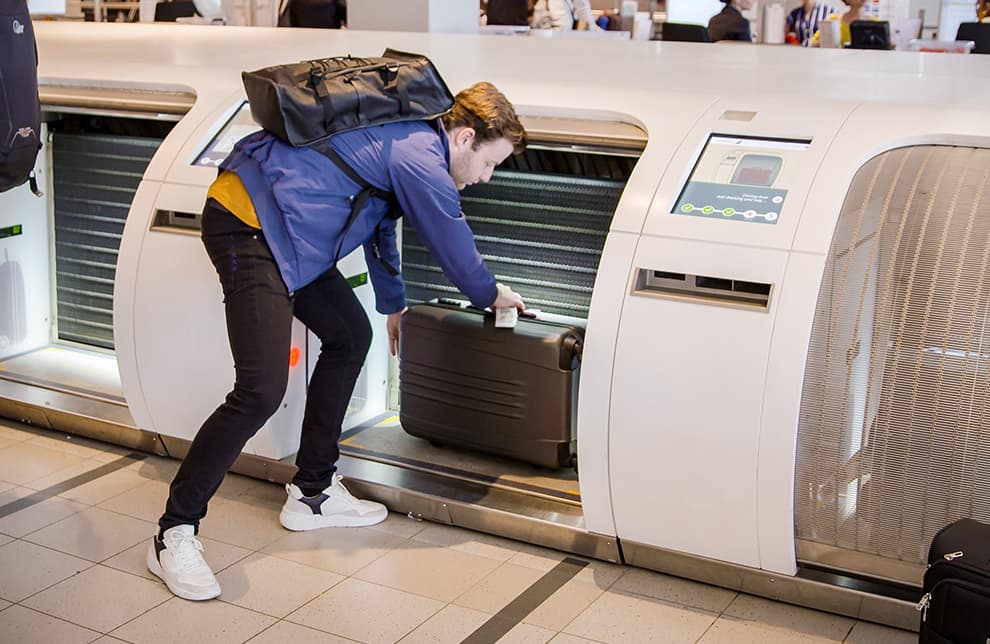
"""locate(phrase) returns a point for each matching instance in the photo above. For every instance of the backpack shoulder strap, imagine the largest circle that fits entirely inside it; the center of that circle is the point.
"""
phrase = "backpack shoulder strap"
(358, 201)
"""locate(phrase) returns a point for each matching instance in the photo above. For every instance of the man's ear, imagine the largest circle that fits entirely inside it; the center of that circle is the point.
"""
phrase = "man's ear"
(465, 136)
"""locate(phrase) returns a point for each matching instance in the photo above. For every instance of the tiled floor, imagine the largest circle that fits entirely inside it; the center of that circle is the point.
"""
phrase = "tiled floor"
(72, 570)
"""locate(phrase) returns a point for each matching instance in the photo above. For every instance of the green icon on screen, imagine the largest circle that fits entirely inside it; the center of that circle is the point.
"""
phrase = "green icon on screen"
(708, 210)
(687, 207)
(728, 212)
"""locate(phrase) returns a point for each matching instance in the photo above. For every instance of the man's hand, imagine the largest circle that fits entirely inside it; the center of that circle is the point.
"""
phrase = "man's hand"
(508, 298)
(393, 331)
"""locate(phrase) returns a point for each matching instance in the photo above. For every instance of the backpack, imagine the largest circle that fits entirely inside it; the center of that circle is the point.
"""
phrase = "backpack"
(305, 103)
(20, 108)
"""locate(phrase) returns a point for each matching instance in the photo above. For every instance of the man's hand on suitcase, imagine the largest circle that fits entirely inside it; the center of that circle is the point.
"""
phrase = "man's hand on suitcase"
(507, 298)
(392, 325)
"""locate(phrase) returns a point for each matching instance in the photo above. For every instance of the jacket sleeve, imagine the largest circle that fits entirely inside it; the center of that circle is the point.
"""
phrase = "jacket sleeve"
(427, 195)
(390, 291)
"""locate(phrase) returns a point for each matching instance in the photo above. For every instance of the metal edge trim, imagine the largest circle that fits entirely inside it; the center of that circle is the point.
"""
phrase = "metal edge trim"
(423, 496)
(107, 98)
(792, 590)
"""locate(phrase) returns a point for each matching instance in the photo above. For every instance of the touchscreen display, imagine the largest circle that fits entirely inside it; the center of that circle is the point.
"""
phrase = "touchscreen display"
(740, 178)
(236, 128)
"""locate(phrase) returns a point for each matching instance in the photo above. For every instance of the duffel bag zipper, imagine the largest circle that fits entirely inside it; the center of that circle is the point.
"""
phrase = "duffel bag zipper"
(926, 599)
(922, 607)
(950, 558)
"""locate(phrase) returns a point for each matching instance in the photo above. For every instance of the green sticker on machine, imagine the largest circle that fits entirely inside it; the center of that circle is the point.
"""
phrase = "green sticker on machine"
(358, 280)
(10, 231)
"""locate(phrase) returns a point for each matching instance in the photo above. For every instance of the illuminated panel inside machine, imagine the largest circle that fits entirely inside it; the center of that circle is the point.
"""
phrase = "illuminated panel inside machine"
(236, 128)
(740, 178)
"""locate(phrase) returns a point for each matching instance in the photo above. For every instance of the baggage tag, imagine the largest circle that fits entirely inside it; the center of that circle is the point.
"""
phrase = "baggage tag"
(506, 317)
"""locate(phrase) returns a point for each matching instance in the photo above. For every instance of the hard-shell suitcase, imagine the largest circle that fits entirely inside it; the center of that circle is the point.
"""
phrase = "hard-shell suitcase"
(507, 392)
(955, 608)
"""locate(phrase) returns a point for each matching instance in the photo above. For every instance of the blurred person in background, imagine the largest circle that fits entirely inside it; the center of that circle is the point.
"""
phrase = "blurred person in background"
(857, 11)
(507, 12)
(730, 24)
(327, 14)
(802, 23)
(563, 15)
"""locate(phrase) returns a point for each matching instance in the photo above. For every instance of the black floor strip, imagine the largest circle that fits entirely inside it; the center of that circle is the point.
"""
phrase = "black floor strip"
(507, 618)
(68, 484)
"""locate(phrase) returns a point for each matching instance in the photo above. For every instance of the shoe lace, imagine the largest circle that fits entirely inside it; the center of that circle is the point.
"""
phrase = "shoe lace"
(188, 552)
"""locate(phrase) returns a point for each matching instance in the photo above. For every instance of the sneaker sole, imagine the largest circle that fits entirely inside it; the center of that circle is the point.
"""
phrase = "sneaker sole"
(298, 522)
(156, 569)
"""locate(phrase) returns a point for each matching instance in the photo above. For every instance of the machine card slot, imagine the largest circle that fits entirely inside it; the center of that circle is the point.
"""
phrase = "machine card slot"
(702, 288)
(176, 221)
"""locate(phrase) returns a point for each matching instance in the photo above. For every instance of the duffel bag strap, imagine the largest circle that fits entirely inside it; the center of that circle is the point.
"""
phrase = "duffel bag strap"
(397, 86)
(317, 76)
(357, 203)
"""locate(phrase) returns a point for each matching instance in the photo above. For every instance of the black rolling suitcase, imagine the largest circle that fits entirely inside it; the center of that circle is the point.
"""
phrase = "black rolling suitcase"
(507, 392)
(956, 606)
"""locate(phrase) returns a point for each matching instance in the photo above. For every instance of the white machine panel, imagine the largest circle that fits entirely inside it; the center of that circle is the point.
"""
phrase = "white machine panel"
(25, 285)
(597, 365)
(686, 404)
(196, 159)
(180, 346)
(873, 129)
(742, 175)
(797, 297)
(665, 135)
(855, 144)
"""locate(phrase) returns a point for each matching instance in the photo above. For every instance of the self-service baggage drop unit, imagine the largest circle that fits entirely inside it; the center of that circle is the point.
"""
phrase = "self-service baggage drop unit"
(781, 388)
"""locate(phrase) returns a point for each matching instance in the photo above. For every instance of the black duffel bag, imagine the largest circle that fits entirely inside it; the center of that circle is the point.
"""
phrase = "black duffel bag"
(302, 103)
(956, 606)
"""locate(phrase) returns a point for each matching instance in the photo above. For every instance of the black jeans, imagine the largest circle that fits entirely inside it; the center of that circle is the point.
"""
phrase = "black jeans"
(259, 313)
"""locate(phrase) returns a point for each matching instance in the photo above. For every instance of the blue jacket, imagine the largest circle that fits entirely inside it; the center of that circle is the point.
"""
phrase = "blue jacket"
(302, 202)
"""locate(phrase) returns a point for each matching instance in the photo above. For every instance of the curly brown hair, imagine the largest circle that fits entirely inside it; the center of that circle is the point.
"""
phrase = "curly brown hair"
(489, 113)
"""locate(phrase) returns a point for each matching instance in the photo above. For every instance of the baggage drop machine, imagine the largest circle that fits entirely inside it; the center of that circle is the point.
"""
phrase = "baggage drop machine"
(783, 295)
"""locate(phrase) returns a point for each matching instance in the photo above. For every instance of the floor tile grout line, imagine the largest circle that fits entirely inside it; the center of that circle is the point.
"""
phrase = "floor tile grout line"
(708, 628)
(73, 554)
(268, 554)
(52, 585)
(61, 619)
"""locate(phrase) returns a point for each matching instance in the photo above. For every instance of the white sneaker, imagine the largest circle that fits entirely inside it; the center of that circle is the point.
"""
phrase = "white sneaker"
(178, 561)
(333, 508)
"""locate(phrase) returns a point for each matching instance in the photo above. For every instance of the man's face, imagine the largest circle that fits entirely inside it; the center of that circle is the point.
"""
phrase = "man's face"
(470, 164)
(745, 5)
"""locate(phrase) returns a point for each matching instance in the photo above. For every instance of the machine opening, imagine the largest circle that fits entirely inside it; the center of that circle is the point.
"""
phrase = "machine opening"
(93, 164)
(540, 224)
